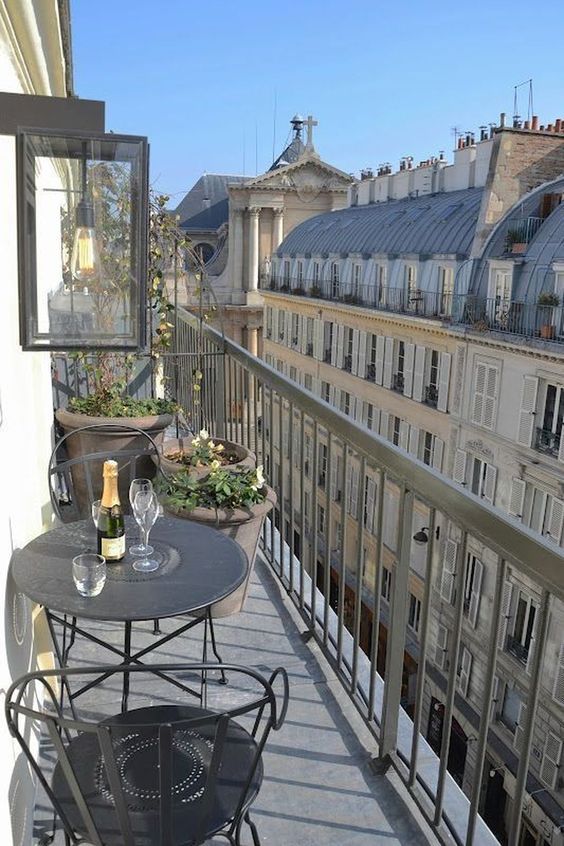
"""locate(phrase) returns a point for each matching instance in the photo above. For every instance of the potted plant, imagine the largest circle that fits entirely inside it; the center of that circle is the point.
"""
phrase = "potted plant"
(547, 302)
(233, 501)
(197, 454)
(514, 242)
(315, 291)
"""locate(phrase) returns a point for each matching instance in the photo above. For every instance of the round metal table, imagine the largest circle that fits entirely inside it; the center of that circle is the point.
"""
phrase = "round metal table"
(199, 566)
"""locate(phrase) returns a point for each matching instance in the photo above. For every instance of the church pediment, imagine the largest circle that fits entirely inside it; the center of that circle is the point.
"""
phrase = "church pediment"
(309, 176)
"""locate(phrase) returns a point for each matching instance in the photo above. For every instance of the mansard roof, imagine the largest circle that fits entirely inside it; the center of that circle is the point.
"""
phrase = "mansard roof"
(206, 205)
(441, 224)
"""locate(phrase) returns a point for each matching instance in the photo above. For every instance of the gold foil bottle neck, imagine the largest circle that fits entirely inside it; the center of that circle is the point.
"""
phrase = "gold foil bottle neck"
(110, 469)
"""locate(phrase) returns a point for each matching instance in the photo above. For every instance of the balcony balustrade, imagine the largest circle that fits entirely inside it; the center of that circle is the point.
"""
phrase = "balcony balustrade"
(431, 396)
(337, 604)
(398, 382)
(547, 441)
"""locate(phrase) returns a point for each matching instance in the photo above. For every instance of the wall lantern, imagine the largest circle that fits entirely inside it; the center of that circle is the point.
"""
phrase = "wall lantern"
(82, 240)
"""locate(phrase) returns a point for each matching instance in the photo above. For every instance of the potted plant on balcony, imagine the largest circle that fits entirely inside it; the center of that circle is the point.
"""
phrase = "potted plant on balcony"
(514, 242)
(548, 302)
(233, 501)
(315, 291)
(197, 454)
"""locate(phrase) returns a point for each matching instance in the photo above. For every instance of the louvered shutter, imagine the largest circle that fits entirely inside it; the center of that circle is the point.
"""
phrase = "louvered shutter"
(558, 690)
(449, 570)
(379, 365)
(489, 483)
(353, 502)
(419, 374)
(495, 699)
(404, 434)
(340, 346)
(459, 471)
(441, 647)
(444, 381)
(532, 643)
(474, 607)
(517, 497)
(505, 615)
(526, 425)
(408, 366)
(388, 363)
(414, 440)
(335, 394)
(555, 520)
(302, 337)
(376, 420)
(479, 391)
(355, 343)
(288, 329)
(551, 759)
(334, 344)
(369, 504)
(318, 339)
(490, 397)
(438, 447)
(335, 478)
(274, 323)
(385, 424)
(465, 670)
(520, 727)
(561, 448)
(362, 342)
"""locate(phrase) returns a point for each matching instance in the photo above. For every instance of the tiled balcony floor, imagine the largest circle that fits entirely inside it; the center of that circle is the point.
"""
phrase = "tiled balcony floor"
(318, 787)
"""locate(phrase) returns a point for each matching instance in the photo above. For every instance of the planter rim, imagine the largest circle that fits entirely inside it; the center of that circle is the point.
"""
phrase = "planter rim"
(173, 444)
(73, 420)
(226, 516)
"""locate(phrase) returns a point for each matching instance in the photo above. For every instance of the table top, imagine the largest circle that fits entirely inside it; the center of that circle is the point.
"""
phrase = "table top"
(199, 566)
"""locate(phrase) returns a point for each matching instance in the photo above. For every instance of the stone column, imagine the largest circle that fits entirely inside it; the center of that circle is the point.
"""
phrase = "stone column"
(252, 340)
(237, 244)
(253, 266)
(277, 229)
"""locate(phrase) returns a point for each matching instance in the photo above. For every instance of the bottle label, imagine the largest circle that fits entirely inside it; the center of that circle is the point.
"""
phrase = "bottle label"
(113, 548)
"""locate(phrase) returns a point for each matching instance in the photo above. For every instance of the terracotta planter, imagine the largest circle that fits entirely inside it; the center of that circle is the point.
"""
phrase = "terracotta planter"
(242, 525)
(548, 331)
(109, 440)
(245, 458)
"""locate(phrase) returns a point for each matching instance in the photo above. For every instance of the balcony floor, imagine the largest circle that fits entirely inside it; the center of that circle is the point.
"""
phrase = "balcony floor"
(318, 787)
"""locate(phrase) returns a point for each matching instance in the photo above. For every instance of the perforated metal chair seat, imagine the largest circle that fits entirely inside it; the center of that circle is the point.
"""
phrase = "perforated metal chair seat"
(136, 751)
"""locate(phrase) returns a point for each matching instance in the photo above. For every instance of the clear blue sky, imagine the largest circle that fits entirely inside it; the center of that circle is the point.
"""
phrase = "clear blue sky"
(384, 79)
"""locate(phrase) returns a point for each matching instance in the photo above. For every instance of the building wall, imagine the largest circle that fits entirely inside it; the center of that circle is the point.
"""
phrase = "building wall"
(31, 61)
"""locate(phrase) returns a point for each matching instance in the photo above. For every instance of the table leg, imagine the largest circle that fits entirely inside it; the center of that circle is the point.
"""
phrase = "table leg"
(223, 679)
(61, 662)
(127, 660)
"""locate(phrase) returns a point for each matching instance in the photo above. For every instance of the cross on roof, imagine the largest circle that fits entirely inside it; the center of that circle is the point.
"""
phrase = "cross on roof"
(310, 123)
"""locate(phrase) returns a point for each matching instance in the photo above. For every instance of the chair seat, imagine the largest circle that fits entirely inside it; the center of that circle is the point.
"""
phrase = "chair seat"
(136, 753)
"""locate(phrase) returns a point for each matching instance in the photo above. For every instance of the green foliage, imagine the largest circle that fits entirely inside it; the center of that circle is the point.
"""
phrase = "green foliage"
(111, 402)
(548, 299)
(222, 488)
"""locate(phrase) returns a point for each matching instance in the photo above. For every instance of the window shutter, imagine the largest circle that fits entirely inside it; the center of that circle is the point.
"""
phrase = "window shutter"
(340, 345)
(355, 343)
(490, 399)
(370, 496)
(459, 471)
(408, 366)
(385, 424)
(526, 424)
(556, 520)
(505, 615)
(517, 497)
(418, 374)
(444, 381)
(519, 728)
(404, 434)
(379, 369)
(551, 759)
(288, 329)
(479, 391)
(275, 323)
(376, 420)
(334, 342)
(441, 647)
(489, 483)
(335, 397)
(414, 440)
(302, 335)
(532, 644)
(362, 342)
(335, 478)
(449, 570)
(495, 698)
(353, 509)
(558, 691)
(465, 670)
(388, 363)
(474, 607)
(318, 339)
(438, 448)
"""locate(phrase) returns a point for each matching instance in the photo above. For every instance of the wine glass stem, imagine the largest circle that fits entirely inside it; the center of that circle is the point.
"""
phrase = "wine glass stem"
(145, 538)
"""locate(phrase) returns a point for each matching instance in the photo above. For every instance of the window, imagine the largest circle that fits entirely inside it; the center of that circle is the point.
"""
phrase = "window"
(410, 286)
(345, 402)
(369, 503)
(328, 329)
(295, 329)
(308, 381)
(309, 336)
(414, 613)
(316, 272)
(335, 283)
(338, 536)
(396, 430)
(300, 273)
(398, 380)
(352, 484)
(322, 468)
(519, 642)
(463, 670)
(511, 709)
(472, 588)
(371, 363)
(499, 295)
(326, 391)
(386, 583)
(484, 398)
(280, 365)
(269, 322)
(483, 479)
(432, 389)
(348, 349)
(549, 437)
(286, 272)
(320, 519)
(381, 280)
(427, 448)
(357, 279)
(446, 290)
(281, 324)
(368, 414)
(307, 455)
(293, 374)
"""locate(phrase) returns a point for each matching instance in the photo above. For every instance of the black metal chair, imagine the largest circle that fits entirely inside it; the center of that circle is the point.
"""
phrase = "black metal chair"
(161, 775)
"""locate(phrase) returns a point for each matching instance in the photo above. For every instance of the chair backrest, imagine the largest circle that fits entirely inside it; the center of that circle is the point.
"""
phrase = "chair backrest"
(198, 762)
(75, 466)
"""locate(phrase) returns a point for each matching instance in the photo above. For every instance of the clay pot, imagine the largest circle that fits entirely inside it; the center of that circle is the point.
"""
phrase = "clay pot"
(548, 331)
(245, 458)
(243, 525)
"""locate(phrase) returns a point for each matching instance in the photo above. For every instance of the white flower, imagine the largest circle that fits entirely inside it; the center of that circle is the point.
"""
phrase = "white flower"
(215, 465)
(219, 447)
(195, 442)
(204, 435)
(260, 480)
(211, 444)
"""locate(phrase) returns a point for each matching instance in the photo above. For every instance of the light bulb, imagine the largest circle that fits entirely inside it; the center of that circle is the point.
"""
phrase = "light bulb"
(85, 259)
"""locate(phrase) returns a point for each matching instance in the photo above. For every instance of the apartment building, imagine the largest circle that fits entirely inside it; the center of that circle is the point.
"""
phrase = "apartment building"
(435, 320)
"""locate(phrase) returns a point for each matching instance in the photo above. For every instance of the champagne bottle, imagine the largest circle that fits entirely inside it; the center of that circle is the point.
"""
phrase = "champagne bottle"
(111, 525)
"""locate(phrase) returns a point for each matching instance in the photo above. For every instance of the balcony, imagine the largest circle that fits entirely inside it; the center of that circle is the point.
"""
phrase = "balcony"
(478, 314)
(431, 396)
(398, 382)
(516, 648)
(336, 604)
(547, 442)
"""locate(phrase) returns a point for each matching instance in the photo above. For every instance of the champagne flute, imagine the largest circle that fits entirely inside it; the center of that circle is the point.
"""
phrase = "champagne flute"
(146, 509)
(96, 511)
(139, 486)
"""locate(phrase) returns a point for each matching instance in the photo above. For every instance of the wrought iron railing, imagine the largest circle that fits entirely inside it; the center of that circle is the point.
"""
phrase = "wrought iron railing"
(243, 399)
(547, 441)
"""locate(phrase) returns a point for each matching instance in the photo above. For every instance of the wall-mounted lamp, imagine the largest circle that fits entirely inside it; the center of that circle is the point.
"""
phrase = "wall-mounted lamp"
(494, 770)
(421, 537)
(85, 258)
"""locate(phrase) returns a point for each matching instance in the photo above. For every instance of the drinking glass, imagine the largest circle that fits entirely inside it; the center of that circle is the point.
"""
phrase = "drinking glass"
(89, 573)
(146, 510)
(96, 511)
(140, 486)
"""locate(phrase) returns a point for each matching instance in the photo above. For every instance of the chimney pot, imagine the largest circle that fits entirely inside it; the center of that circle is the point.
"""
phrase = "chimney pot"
(549, 127)
(541, 127)
(502, 119)
(558, 125)
(526, 125)
(535, 123)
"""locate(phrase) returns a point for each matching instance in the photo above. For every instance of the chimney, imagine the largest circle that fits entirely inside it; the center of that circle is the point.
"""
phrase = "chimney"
(549, 127)
(535, 123)
(526, 125)
(558, 125)
(483, 133)
(502, 120)
(516, 121)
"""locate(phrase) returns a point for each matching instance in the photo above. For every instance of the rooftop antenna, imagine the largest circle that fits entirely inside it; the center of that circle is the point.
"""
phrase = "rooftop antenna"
(530, 109)
(456, 132)
(274, 126)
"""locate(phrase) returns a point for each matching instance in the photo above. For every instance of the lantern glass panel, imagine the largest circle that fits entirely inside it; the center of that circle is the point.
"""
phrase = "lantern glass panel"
(82, 241)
